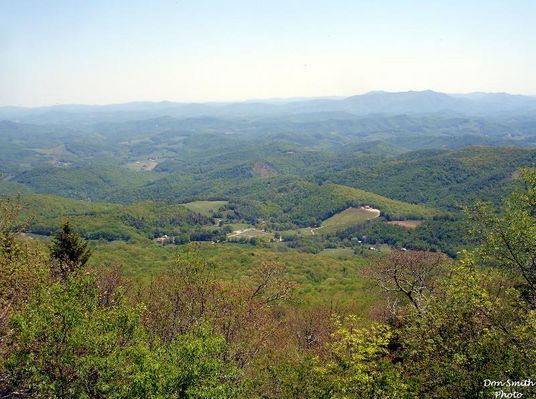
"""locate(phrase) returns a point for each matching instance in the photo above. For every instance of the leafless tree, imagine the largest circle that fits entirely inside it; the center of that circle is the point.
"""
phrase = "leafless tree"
(413, 274)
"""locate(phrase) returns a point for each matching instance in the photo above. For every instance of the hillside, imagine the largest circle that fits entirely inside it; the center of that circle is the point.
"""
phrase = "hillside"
(104, 221)
(447, 179)
(303, 203)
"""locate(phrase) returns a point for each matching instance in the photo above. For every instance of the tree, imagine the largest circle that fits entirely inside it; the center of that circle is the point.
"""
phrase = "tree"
(67, 345)
(359, 364)
(10, 212)
(23, 271)
(69, 250)
(411, 273)
(481, 321)
(509, 238)
(452, 348)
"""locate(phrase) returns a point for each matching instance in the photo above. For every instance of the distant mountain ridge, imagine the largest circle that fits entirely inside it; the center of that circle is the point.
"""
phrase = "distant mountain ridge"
(375, 102)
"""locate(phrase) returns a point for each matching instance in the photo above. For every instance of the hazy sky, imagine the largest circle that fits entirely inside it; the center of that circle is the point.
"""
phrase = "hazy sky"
(114, 51)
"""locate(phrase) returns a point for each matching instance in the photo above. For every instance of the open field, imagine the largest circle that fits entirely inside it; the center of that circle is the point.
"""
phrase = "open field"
(143, 165)
(342, 220)
(204, 207)
(388, 206)
(408, 224)
(349, 217)
(249, 233)
(338, 253)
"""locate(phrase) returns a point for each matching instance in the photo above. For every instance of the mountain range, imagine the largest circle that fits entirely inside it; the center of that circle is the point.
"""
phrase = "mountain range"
(376, 102)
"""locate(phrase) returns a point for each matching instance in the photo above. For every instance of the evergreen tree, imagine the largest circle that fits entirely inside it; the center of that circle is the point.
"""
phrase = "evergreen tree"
(69, 250)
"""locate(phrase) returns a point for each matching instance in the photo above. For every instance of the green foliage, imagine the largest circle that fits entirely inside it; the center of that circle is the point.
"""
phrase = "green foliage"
(193, 366)
(110, 222)
(355, 363)
(61, 339)
(298, 192)
(302, 203)
(392, 208)
(348, 217)
(467, 334)
(9, 187)
(448, 235)
(69, 250)
(359, 364)
(23, 270)
(10, 211)
(64, 346)
(292, 376)
(442, 178)
(509, 239)
(319, 279)
(480, 325)
(212, 327)
(96, 181)
(205, 208)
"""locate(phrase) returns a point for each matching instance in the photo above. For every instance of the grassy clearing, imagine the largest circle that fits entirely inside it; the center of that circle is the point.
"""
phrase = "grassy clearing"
(347, 218)
(249, 233)
(140, 166)
(205, 207)
(342, 220)
(388, 206)
(338, 253)
(408, 224)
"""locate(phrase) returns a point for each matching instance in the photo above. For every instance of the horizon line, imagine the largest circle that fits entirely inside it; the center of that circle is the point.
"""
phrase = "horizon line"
(260, 100)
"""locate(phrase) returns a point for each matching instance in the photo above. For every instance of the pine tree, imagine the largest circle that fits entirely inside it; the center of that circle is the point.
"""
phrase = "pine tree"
(69, 250)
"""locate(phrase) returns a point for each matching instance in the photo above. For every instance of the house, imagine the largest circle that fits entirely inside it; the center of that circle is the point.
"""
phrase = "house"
(165, 239)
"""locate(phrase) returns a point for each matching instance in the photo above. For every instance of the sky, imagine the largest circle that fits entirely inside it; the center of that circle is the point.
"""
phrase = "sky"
(114, 51)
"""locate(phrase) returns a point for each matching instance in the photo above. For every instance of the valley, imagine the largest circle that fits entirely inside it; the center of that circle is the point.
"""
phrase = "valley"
(289, 182)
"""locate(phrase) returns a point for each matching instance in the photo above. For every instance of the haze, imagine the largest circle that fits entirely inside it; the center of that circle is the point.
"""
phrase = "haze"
(102, 52)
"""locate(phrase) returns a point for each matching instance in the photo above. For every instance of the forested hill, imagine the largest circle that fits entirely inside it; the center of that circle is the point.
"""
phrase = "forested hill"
(443, 178)
(437, 178)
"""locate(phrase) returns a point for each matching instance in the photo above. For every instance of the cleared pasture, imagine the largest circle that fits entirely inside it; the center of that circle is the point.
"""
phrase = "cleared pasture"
(342, 220)
(204, 207)
(408, 224)
(349, 217)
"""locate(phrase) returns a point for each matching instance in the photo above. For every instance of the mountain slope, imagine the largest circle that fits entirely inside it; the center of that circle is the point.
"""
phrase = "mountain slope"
(444, 178)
